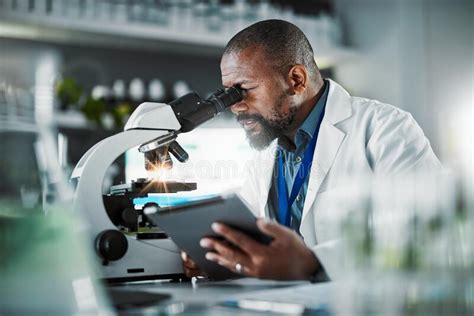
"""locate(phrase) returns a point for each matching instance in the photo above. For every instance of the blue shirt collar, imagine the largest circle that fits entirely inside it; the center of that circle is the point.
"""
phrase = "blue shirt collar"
(310, 123)
(306, 130)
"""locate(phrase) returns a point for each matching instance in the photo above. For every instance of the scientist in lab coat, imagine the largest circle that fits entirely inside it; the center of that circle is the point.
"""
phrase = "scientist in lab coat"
(311, 136)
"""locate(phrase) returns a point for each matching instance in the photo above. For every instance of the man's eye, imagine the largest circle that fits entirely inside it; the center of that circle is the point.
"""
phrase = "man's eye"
(243, 90)
(238, 87)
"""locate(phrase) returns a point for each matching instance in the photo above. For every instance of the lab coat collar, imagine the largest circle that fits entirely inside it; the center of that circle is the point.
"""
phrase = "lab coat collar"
(338, 106)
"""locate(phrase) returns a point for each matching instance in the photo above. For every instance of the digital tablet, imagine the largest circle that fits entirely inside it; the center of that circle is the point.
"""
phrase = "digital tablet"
(187, 224)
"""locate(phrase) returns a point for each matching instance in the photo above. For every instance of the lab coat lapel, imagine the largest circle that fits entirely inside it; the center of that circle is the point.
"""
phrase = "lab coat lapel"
(338, 108)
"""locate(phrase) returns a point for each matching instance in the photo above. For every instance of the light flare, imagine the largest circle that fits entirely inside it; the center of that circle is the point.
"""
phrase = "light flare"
(158, 176)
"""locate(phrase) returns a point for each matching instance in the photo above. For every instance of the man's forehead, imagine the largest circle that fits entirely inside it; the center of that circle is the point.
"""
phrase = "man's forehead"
(232, 63)
(235, 74)
(240, 67)
(228, 70)
(236, 78)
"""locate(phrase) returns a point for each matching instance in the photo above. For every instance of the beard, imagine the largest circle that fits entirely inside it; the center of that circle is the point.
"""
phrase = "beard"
(270, 129)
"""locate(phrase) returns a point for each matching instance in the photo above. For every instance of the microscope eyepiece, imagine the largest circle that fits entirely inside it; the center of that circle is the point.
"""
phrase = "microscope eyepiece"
(192, 111)
(222, 99)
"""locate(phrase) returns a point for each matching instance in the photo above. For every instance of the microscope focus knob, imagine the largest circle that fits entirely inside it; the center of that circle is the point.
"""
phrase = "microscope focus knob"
(111, 245)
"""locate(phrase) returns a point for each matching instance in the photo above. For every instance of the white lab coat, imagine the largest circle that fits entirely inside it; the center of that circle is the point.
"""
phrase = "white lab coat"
(357, 136)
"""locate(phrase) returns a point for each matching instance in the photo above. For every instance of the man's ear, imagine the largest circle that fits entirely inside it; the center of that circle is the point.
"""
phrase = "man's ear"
(297, 79)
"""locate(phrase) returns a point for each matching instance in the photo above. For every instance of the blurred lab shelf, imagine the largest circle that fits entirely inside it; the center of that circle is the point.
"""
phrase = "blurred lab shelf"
(75, 120)
(131, 35)
(106, 34)
(72, 119)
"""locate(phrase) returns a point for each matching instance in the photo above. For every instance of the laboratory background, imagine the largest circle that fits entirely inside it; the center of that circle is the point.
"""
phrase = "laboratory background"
(72, 72)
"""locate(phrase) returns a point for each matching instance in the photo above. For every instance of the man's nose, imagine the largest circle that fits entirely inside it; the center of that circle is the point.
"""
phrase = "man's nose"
(239, 107)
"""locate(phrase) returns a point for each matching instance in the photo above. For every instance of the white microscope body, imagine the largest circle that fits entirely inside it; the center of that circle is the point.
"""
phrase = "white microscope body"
(151, 126)
(143, 258)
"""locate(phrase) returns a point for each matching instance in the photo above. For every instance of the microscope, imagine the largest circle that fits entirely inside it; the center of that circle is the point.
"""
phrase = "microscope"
(127, 245)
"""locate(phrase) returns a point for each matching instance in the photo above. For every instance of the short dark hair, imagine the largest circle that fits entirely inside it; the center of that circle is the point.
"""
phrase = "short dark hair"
(283, 42)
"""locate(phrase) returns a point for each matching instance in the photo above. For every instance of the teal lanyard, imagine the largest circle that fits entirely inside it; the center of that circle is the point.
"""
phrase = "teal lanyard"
(284, 204)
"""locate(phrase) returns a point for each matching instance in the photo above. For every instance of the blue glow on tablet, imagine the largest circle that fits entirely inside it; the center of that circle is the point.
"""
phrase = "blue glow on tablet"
(169, 200)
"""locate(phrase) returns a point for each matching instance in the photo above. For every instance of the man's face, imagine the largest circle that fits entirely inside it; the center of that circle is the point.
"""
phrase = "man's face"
(266, 111)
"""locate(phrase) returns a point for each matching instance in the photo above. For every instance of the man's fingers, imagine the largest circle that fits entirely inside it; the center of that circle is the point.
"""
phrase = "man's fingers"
(193, 272)
(187, 261)
(241, 240)
(224, 250)
(190, 268)
(272, 229)
(223, 261)
(190, 264)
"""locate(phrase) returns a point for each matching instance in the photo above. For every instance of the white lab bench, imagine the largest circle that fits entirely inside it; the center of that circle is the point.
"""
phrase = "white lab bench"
(204, 296)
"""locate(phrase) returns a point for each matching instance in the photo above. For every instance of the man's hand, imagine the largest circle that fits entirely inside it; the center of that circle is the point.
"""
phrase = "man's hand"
(285, 258)
(190, 268)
